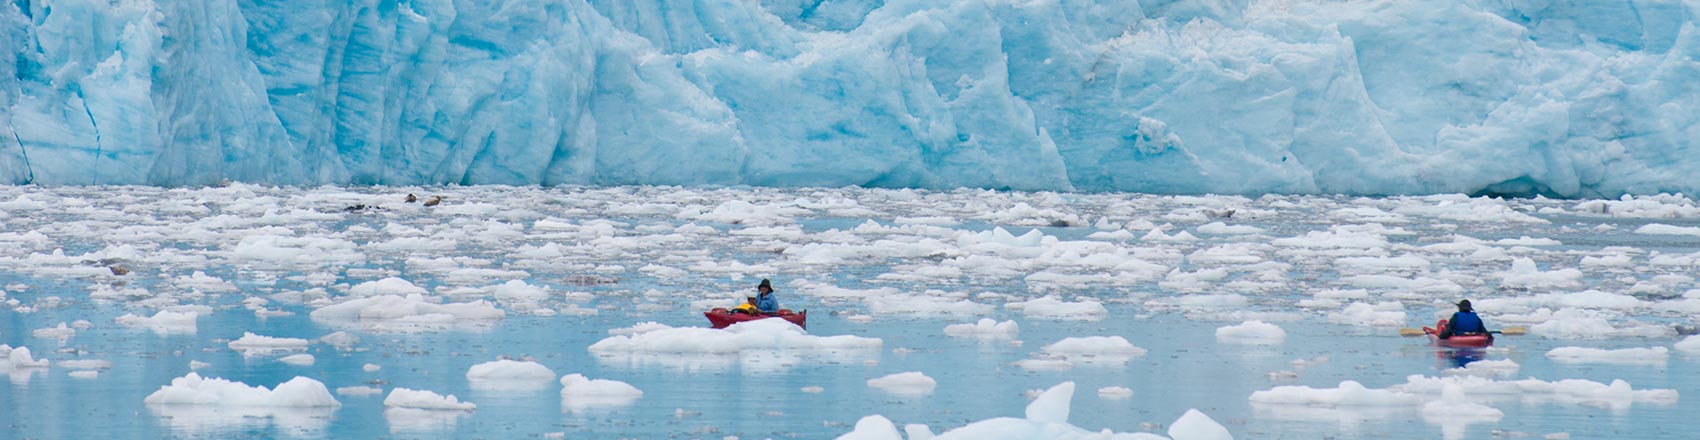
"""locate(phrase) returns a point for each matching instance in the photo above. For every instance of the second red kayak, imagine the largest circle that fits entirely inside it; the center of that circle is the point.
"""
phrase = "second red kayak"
(722, 318)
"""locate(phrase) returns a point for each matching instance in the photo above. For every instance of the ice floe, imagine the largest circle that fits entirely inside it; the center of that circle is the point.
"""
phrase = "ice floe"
(907, 383)
(410, 313)
(759, 345)
(1251, 332)
(985, 328)
(507, 374)
(1046, 417)
(580, 393)
(1622, 356)
(193, 405)
(256, 345)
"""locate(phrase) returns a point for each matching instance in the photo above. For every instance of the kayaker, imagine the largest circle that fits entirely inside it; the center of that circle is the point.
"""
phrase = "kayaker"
(766, 301)
(748, 307)
(1464, 322)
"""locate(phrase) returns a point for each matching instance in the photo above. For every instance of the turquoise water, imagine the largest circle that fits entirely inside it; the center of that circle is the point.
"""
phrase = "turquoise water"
(753, 396)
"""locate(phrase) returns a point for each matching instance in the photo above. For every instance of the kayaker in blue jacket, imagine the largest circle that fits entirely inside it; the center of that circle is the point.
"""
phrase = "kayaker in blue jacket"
(1464, 322)
(765, 299)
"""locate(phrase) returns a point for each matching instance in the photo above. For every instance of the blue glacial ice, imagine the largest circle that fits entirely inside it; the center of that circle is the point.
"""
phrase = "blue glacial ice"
(1556, 97)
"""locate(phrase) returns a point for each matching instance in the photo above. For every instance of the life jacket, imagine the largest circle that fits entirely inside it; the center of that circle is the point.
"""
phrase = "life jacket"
(1464, 323)
(745, 308)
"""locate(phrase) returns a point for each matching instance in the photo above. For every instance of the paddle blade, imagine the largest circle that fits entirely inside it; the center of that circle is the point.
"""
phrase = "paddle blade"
(1515, 331)
(1409, 332)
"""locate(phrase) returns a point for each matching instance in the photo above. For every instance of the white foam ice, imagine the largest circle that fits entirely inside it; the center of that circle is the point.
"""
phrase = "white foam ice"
(579, 393)
(1045, 417)
(906, 383)
(1251, 332)
(985, 328)
(509, 375)
(1598, 356)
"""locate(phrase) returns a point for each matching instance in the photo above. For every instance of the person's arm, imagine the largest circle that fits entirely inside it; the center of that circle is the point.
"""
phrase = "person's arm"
(768, 303)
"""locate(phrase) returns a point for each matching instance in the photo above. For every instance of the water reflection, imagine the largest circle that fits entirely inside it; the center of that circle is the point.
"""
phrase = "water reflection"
(211, 421)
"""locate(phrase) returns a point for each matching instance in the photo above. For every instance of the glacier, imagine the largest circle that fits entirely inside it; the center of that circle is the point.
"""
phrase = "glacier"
(1561, 98)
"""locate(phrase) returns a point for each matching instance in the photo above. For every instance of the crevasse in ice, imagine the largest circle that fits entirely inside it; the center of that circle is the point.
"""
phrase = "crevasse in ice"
(1565, 98)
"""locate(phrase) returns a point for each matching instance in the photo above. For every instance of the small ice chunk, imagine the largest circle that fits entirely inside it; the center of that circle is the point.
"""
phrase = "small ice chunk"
(1625, 356)
(1053, 308)
(387, 286)
(1088, 347)
(61, 332)
(873, 427)
(986, 328)
(1349, 393)
(1052, 406)
(1690, 344)
(420, 399)
(252, 344)
(302, 359)
(505, 374)
(165, 322)
(1485, 368)
(1194, 425)
(369, 368)
(196, 365)
(1251, 332)
(579, 392)
(908, 383)
(20, 358)
(1115, 393)
(813, 389)
(341, 340)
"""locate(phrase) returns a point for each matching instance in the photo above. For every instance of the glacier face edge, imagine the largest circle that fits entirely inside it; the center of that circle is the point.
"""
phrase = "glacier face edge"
(1567, 99)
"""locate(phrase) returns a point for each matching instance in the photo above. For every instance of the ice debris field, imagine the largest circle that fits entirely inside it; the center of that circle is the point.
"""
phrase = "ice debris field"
(1580, 98)
(250, 311)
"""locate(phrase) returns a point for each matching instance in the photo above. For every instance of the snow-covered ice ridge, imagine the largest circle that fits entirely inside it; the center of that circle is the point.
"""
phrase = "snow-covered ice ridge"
(1577, 99)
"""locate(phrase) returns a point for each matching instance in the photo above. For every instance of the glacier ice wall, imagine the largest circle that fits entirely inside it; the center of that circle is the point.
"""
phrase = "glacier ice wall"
(1575, 98)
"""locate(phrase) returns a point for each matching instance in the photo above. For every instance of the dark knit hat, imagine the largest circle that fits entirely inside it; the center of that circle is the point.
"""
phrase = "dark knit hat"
(765, 283)
(1464, 306)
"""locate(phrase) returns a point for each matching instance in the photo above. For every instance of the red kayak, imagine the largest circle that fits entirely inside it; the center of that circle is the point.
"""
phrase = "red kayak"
(722, 318)
(1456, 341)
